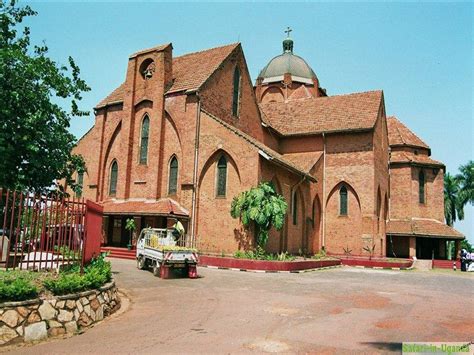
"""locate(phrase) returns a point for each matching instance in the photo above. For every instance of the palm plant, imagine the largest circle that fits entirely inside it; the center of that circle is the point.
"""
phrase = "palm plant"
(466, 183)
(453, 208)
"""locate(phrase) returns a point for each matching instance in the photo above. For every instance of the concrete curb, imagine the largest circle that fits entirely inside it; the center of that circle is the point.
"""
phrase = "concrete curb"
(271, 271)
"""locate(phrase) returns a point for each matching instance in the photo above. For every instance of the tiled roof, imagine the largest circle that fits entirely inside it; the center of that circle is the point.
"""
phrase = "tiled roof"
(114, 96)
(152, 49)
(305, 160)
(421, 227)
(351, 112)
(164, 206)
(399, 134)
(190, 71)
(274, 156)
(397, 157)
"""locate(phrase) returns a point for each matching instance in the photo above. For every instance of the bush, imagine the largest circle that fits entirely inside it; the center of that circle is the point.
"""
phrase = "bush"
(17, 288)
(259, 254)
(96, 274)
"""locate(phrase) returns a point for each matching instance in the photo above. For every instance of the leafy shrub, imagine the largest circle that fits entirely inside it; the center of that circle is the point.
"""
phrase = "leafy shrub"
(66, 283)
(259, 254)
(17, 288)
(97, 273)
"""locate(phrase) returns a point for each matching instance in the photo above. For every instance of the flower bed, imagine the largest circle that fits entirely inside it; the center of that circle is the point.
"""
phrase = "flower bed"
(265, 265)
(37, 319)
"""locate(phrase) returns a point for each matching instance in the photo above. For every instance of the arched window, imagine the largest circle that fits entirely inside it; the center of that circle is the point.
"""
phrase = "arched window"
(421, 186)
(173, 178)
(221, 176)
(294, 204)
(113, 179)
(236, 93)
(80, 183)
(144, 140)
(343, 201)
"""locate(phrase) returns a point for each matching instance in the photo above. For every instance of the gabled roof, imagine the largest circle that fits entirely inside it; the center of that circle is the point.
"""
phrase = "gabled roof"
(401, 135)
(163, 206)
(352, 112)
(190, 71)
(400, 157)
(422, 227)
(265, 151)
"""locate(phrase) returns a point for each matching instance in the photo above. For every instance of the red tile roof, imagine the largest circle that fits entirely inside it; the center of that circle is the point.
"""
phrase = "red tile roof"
(350, 112)
(268, 152)
(305, 160)
(164, 206)
(190, 71)
(401, 135)
(421, 227)
(400, 157)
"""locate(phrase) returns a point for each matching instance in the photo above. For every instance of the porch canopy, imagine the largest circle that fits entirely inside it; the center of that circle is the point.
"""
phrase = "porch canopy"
(422, 227)
(162, 207)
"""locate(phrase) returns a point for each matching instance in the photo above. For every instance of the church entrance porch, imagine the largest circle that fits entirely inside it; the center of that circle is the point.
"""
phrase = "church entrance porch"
(163, 213)
(422, 247)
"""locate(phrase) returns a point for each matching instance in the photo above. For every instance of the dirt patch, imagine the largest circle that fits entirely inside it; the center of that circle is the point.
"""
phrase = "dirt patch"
(370, 301)
(336, 310)
(269, 346)
(389, 324)
(460, 327)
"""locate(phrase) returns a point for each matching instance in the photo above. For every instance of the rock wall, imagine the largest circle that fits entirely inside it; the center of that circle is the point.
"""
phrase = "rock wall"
(38, 319)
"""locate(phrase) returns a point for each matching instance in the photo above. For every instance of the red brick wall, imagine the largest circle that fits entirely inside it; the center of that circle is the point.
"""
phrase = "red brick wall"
(404, 188)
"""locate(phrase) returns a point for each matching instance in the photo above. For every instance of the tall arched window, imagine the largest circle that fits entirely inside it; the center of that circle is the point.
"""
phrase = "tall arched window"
(221, 176)
(236, 93)
(144, 140)
(343, 201)
(294, 204)
(173, 178)
(421, 186)
(80, 183)
(113, 179)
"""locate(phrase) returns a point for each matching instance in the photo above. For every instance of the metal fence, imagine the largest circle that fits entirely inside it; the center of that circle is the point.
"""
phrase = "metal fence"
(41, 231)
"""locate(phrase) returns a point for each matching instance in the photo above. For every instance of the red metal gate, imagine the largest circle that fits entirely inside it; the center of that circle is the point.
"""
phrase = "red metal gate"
(41, 231)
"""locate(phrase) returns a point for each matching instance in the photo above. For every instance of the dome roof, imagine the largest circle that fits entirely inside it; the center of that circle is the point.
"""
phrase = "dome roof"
(287, 63)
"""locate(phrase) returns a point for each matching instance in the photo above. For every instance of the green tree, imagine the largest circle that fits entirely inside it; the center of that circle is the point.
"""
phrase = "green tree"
(130, 226)
(453, 208)
(466, 183)
(262, 206)
(35, 145)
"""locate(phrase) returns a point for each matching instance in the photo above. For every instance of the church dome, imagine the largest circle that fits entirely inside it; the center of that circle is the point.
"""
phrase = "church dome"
(287, 63)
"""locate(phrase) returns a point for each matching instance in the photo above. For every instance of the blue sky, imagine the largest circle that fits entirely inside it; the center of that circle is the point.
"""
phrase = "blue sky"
(420, 54)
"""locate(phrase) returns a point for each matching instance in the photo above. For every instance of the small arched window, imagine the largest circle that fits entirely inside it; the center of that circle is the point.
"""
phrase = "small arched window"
(113, 179)
(421, 186)
(221, 176)
(294, 211)
(144, 140)
(343, 201)
(80, 183)
(236, 93)
(173, 178)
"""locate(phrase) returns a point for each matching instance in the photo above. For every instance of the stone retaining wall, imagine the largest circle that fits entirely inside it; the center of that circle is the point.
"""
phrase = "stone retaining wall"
(39, 318)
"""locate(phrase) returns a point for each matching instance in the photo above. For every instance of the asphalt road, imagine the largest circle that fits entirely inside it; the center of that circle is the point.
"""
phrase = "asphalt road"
(332, 311)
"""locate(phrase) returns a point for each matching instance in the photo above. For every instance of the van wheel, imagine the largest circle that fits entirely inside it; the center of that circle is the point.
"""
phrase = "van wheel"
(141, 262)
(156, 269)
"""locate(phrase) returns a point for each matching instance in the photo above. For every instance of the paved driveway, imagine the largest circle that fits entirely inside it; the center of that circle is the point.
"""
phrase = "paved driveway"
(330, 311)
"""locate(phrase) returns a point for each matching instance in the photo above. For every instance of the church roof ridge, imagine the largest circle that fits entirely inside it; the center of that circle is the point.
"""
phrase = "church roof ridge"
(235, 44)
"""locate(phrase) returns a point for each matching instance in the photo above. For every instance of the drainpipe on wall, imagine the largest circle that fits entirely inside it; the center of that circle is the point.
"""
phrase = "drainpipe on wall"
(323, 241)
(195, 173)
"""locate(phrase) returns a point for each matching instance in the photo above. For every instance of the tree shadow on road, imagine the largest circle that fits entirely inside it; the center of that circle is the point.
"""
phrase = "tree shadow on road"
(379, 345)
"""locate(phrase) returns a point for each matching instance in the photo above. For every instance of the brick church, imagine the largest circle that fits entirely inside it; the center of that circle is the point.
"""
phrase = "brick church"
(183, 135)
